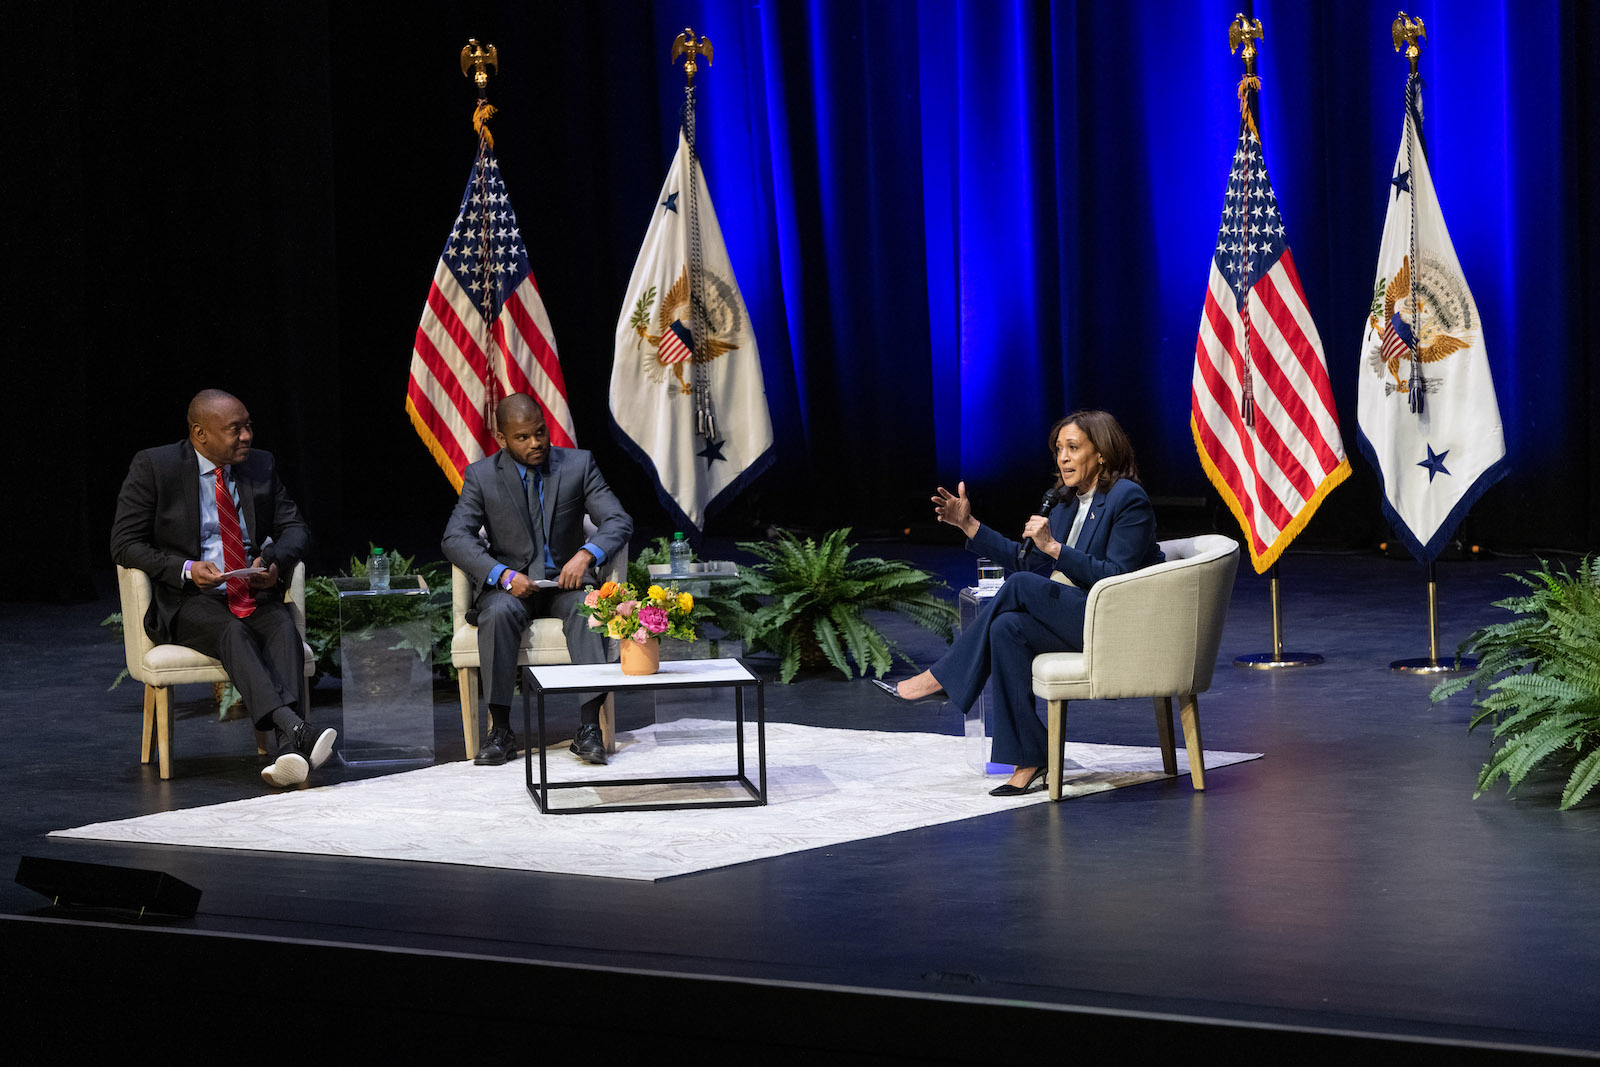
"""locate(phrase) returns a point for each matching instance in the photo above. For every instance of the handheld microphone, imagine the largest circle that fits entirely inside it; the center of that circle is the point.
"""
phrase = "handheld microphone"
(1052, 497)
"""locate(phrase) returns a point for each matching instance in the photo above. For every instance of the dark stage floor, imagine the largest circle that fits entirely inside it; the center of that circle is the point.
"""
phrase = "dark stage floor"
(1347, 883)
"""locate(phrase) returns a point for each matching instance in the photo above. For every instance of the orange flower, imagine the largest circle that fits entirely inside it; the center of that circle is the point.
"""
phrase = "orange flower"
(609, 590)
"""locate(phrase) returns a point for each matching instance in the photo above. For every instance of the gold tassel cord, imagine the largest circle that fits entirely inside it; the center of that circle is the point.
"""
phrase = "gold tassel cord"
(1247, 85)
(480, 121)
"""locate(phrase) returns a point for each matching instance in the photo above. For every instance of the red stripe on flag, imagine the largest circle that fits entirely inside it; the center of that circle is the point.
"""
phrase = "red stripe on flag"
(442, 433)
(1316, 366)
(1294, 404)
(538, 344)
(464, 337)
(445, 381)
(1261, 496)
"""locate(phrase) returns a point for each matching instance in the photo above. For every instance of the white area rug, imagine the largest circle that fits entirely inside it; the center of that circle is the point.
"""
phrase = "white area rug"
(823, 787)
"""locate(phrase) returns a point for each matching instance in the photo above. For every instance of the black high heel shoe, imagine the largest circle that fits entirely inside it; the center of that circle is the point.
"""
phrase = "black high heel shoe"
(889, 687)
(1032, 785)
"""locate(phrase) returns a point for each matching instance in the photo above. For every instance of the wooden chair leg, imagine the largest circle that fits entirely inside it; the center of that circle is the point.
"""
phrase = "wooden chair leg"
(149, 723)
(468, 679)
(164, 730)
(608, 723)
(1191, 740)
(1169, 752)
(1058, 747)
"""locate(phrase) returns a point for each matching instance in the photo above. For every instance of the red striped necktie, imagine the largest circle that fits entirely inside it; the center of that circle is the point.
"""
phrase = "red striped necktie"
(240, 602)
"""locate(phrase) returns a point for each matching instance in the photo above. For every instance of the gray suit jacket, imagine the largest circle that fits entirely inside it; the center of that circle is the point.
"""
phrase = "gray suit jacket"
(157, 526)
(492, 498)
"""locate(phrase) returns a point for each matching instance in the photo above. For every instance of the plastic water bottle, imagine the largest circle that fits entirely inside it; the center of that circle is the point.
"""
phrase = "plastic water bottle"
(378, 570)
(679, 554)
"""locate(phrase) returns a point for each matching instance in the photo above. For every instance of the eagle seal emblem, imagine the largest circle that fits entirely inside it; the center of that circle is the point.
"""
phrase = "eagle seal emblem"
(1447, 321)
(672, 343)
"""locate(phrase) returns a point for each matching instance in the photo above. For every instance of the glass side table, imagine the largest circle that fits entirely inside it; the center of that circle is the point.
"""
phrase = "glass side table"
(386, 671)
(692, 715)
(980, 719)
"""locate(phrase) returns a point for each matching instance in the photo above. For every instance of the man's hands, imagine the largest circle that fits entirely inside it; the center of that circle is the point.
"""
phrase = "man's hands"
(955, 510)
(267, 579)
(521, 585)
(205, 575)
(572, 574)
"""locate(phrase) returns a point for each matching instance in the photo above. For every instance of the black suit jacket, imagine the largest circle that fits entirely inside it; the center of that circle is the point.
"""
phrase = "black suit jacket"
(157, 526)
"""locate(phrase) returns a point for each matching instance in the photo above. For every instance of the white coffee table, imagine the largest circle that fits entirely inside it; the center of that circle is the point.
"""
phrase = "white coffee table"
(674, 674)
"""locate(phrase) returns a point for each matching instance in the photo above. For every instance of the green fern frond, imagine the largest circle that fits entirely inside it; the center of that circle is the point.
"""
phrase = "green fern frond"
(1584, 777)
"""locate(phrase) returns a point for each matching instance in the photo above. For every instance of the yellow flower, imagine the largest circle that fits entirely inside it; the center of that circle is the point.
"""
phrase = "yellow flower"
(685, 603)
(618, 627)
(656, 593)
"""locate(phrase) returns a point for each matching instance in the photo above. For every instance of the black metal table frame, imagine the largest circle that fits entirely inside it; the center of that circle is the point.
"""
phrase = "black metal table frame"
(541, 792)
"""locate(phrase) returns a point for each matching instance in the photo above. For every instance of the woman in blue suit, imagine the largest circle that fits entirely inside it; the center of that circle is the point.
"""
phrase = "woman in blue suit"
(1103, 525)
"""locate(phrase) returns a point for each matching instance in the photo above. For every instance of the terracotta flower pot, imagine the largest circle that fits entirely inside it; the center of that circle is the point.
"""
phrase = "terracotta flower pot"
(641, 659)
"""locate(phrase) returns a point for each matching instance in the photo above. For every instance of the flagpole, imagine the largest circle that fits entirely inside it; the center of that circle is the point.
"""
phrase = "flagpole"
(691, 47)
(1241, 32)
(474, 64)
(1406, 30)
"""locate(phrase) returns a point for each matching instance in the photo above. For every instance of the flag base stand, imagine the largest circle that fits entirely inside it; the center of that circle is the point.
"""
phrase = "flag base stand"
(1432, 666)
(1277, 658)
(1270, 661)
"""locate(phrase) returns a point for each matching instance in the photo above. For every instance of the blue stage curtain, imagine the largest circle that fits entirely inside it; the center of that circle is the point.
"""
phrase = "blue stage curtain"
(954, 220)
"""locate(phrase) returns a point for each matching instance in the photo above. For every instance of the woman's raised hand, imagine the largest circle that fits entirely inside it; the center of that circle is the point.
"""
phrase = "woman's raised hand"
(955, 509)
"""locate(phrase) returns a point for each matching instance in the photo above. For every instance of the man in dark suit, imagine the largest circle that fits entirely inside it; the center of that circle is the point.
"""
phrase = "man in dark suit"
(190, 514)
(529, 500)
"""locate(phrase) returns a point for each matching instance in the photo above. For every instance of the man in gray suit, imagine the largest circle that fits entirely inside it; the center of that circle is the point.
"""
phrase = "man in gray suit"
(529, 500)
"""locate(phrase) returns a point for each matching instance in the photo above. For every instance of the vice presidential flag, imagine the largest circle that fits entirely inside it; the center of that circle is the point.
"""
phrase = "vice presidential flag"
(689, 403)
(484, 333)
(1261, 404)
(1426, 407)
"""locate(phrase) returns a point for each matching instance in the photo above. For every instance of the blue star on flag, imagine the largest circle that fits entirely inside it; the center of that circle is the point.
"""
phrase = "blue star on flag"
(1401, 183)
(671, 202)
(1435, 463)
(713, 450)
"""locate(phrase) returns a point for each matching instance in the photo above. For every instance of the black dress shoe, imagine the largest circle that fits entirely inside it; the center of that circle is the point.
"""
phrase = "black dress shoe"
(1032, 785)
(889, 687)
(590, 744)
(502, 745)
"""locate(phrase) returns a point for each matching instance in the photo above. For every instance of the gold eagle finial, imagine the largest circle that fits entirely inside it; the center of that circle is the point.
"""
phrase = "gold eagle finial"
(687, 43)
(475, 59)
(1405, 31)
(1240, 31)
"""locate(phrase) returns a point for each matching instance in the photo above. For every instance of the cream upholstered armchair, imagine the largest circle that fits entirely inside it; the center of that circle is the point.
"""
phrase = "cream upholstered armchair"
(160, 667)
(1148, 633)
(543, 643)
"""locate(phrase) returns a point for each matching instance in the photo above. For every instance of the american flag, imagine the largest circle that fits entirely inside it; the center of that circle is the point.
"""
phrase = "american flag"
(484, 333)
(1261, 405)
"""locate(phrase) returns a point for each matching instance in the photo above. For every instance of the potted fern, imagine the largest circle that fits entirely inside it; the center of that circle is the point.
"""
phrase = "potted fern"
(806, 603)
(1538, 680)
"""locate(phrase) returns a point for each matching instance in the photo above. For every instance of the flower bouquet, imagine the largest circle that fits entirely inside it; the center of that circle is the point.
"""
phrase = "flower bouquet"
(639, 622)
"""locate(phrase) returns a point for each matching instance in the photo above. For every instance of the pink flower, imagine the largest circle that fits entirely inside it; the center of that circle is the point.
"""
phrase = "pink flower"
(641, 636)
(594, 623)
(593, 599)
(626, 608)
(653, 619)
